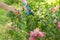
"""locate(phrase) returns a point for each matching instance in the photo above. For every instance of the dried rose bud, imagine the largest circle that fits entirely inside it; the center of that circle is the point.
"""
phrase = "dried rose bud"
(55, 21)
(57, 6)
(15, 28)
(36, 30)
(9, 24)
(9, 28)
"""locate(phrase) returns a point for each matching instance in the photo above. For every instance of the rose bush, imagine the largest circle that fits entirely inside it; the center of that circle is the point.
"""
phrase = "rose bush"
(44, 25)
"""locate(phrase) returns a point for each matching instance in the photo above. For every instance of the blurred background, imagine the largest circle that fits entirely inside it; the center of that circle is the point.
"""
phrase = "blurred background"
(46, 18)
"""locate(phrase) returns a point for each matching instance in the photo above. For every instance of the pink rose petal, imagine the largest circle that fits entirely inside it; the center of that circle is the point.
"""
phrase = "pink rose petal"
(41, 34)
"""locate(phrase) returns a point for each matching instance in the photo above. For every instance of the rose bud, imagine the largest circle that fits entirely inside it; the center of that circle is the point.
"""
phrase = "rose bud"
(32, 38)
(53, 10)
(59, 25)
(33, 34)
(41, 34)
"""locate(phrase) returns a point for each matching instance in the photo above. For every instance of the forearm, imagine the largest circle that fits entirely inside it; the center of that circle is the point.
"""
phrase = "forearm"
(8, 8)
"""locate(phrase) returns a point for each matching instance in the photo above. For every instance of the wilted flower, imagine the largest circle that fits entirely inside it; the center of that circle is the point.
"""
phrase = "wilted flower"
(41, 34)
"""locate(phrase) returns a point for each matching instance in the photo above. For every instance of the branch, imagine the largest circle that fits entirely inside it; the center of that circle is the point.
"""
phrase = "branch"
(8, 8)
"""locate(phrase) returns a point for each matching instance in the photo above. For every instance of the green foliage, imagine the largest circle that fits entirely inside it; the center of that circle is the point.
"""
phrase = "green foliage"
(43, 18)
(3, 17)
(10, 2)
